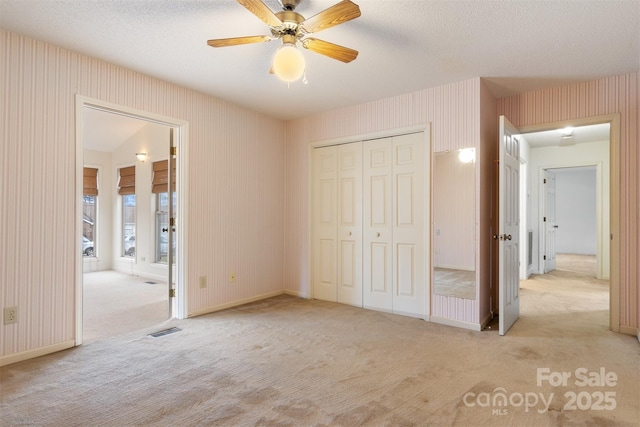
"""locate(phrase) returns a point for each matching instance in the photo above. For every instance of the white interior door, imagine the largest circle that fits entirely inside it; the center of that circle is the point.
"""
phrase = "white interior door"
(549, 220)
(377, 235)
(408, 225)
(350, 224)
(509, 226)
(171, 188)
(325, 223)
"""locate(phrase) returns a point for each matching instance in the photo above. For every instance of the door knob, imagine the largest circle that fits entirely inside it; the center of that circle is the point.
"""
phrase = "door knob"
(349, 233)
(377, 234)
(502, 237)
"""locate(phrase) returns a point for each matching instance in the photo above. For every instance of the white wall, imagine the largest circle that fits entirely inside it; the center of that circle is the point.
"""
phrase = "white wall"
(576, 211)
(597, 154)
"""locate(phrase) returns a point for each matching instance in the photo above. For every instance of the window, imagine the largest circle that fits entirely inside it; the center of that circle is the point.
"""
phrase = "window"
(127, 189)
(89, 211)
(129, 225)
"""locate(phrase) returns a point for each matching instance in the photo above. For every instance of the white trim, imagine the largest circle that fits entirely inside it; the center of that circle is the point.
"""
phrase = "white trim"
(235, 303)
(36, 352)
(614, 201)
(296, 294)
(599, 210)
(457, 323)
(182, 132)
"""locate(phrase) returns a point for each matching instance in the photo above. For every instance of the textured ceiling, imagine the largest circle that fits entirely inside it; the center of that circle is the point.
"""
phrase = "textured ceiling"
(404, 45)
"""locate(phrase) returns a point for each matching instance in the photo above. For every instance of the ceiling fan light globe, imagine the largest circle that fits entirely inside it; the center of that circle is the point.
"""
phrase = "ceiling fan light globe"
(288, 63)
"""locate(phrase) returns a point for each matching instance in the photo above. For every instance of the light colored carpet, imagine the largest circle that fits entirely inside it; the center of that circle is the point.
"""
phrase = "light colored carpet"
(117, 303)
(582, 265)
(293, 362)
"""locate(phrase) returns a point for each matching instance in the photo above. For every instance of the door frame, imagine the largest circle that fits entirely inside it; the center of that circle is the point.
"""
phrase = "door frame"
(614, 199)
(181, 141)
(387, 133)
(599, 209)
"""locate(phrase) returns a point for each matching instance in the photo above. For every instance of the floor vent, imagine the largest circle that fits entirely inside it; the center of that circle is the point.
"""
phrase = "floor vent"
(151, 283)
(164, 332)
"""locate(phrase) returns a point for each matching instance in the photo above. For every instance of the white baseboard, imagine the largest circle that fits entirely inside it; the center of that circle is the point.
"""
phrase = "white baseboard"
(457, 323)
(297, 294)
(36, 352)
(234, 304)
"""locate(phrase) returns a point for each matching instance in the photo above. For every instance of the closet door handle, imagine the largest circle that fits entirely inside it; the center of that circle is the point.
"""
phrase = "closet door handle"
(377, 234)
(348, 233)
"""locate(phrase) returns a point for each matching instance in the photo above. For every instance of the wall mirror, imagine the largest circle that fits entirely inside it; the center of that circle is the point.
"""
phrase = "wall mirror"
(454, 224)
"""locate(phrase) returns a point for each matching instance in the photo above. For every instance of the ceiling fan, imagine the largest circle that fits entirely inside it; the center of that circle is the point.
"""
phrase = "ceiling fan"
(291, 28)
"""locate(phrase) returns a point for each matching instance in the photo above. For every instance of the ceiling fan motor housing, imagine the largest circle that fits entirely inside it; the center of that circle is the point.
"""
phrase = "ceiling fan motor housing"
(289, 4)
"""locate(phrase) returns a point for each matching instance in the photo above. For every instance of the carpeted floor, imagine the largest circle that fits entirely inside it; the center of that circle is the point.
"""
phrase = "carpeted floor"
(287, 361)
(117, 303)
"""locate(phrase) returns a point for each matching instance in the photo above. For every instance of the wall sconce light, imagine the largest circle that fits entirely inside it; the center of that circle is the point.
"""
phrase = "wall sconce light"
(141, 156)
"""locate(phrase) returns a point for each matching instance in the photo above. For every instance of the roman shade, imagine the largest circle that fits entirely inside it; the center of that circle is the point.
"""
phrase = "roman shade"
(160, 183)
(90, 182)
(127, 180)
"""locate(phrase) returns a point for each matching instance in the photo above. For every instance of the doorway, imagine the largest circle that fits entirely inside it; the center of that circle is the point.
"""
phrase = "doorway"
(579, 160)
(124, 282)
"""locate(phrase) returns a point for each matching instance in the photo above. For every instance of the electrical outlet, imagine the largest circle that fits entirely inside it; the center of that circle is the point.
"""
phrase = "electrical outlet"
(10, 315)
(203, 281)
(232, 277)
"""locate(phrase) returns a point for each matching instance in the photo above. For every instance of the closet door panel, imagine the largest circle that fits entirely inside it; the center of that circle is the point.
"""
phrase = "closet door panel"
(325, 224)
(350, 224)
(378, 224)
(408, 225)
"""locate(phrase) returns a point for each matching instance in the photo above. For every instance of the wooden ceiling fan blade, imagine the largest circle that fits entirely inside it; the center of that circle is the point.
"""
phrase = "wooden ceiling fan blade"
(234, 41)
(335, 15)
(262, 11)
(331, 50)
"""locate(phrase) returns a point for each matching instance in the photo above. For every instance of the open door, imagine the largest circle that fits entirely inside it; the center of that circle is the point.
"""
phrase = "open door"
(549, 219)
(508, 227)
(172, 223)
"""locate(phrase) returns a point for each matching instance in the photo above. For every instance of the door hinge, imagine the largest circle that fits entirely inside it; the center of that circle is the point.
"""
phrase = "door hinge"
(172, 222)
(544, 219)
(173, 151)
(544, 181)
(172, 293)
(544, 257)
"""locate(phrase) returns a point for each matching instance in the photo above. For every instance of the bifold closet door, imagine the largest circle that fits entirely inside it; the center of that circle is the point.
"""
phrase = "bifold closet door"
(378, 224)
(394, 225)
(337, 228)
(409, 219)
(325, 223)
(350, 224)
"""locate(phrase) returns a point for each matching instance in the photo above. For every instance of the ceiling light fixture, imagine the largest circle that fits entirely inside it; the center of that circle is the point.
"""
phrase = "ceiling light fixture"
(567, 131)
(288, 63)
(292, 28)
